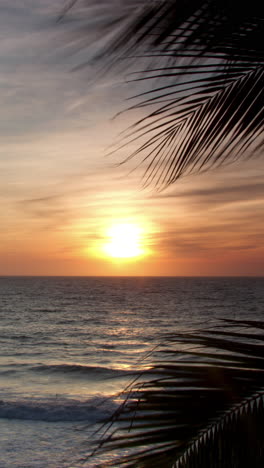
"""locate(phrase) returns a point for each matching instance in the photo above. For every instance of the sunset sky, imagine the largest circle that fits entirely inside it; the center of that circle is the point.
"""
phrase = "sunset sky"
(61, 197)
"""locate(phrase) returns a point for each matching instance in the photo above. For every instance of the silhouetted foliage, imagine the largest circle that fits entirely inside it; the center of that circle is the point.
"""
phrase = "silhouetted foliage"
(204, 61)
(200, 404)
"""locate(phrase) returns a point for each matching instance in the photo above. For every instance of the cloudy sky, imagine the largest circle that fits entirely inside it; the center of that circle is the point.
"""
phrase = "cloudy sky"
(59, 191)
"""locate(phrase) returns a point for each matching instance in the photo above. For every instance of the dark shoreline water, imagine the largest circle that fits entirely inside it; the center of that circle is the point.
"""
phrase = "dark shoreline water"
(68, 343)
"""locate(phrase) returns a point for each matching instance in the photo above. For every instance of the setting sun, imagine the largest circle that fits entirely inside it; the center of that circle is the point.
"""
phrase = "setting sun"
(124, 241)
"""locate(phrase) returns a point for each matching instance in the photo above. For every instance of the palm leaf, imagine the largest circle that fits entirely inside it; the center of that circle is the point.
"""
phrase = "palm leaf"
(207, 105)
(198, 132)
(201, 404)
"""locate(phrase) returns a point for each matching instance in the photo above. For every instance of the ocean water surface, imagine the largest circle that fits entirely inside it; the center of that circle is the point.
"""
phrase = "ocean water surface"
(68, 344)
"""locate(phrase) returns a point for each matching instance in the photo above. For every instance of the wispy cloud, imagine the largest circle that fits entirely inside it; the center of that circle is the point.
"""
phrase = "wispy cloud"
(57, 191)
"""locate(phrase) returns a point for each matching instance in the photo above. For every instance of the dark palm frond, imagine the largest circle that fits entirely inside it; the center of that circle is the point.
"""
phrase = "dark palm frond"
(197, 132)
(200, 405)
(207, 105)
(196, 28)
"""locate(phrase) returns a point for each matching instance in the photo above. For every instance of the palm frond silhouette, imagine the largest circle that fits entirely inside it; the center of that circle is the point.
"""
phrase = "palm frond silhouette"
(204, 60)
(200, 404)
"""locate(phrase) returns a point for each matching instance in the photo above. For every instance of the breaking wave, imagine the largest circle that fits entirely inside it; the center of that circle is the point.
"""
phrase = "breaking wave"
(92, 410)
(78, 369)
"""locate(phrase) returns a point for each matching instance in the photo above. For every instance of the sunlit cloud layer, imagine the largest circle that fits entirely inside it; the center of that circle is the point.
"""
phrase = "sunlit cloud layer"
(58, 191)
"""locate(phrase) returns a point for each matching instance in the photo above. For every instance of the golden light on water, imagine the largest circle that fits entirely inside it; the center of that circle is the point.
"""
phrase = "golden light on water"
(124, 240)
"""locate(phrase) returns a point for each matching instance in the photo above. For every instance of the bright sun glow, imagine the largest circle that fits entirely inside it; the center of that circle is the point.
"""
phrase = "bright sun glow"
(124, 241)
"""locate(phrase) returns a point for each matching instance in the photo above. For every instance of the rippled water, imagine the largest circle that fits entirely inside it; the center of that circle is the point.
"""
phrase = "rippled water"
(67, 344)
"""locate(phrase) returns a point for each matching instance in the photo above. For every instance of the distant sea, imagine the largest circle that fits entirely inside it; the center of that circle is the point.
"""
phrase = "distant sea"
(70, 343)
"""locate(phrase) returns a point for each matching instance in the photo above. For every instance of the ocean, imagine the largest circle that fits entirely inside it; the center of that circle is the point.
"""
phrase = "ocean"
(69, 344)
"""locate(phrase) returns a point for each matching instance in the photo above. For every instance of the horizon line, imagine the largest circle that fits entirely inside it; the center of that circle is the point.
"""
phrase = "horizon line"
(130, 276)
